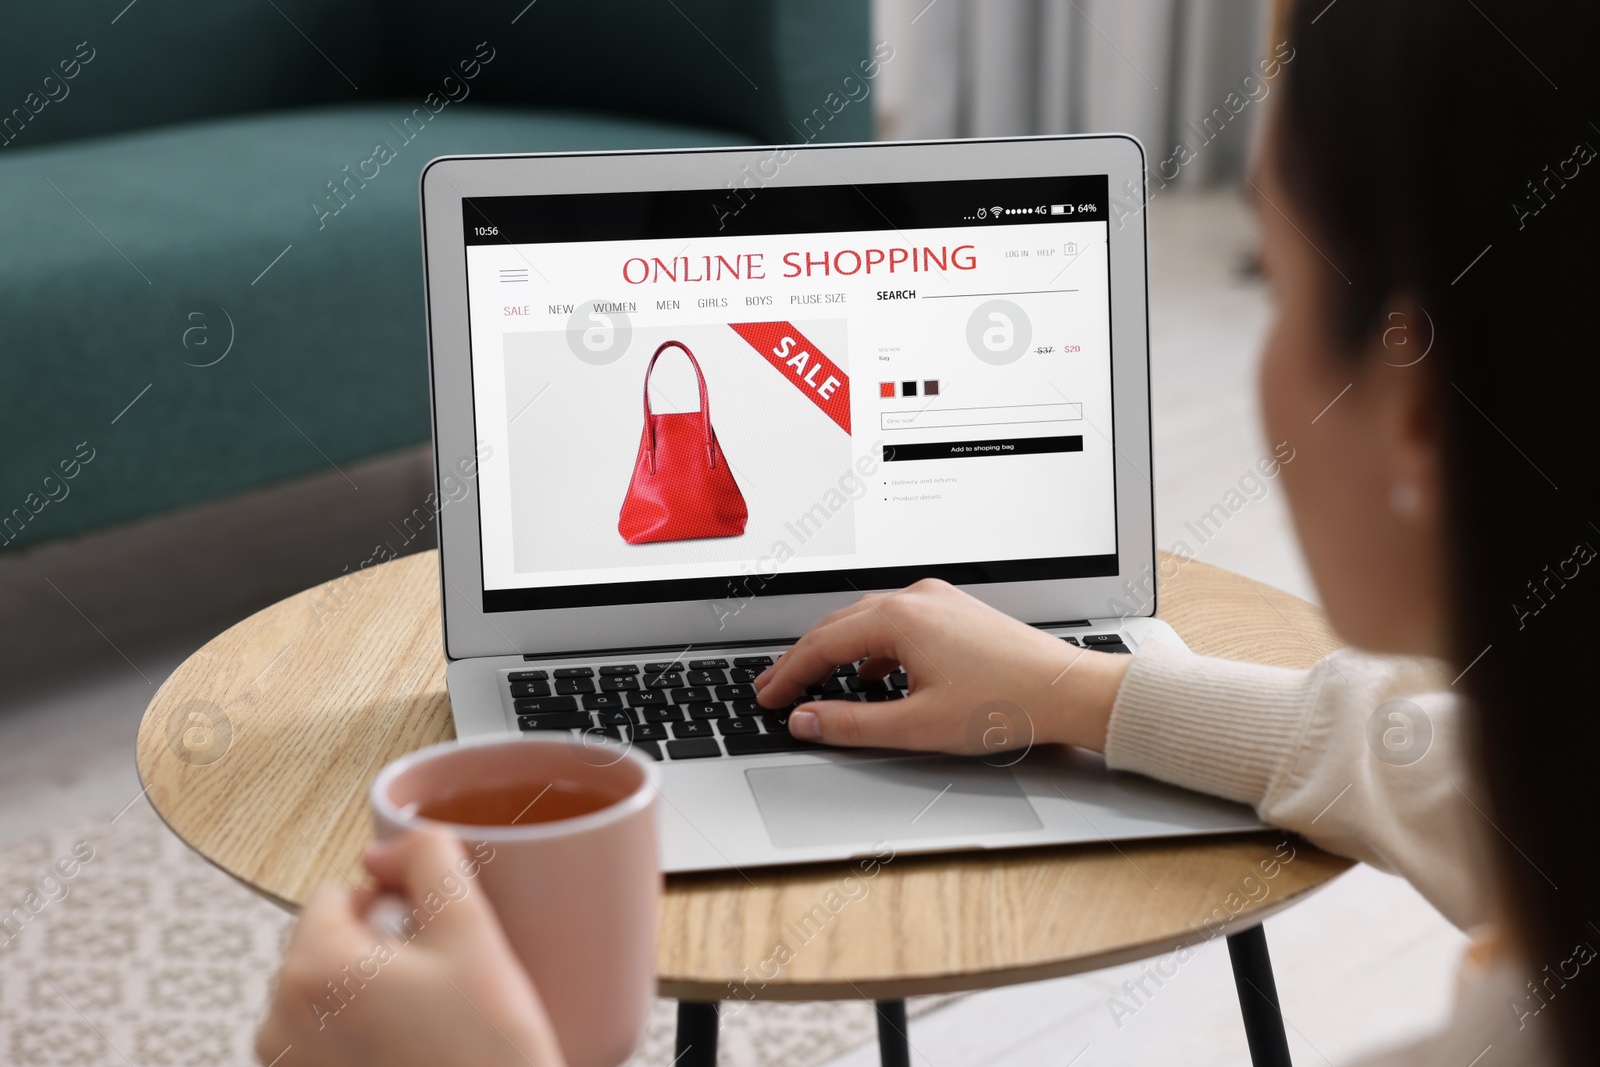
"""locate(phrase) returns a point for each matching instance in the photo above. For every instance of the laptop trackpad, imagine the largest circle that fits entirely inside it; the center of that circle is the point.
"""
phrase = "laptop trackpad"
(811, 804)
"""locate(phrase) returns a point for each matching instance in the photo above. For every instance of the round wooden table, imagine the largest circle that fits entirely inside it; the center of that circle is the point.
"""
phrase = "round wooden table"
(259, 749)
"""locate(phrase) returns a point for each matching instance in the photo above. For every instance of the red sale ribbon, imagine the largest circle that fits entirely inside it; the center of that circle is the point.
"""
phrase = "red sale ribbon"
(804, 364)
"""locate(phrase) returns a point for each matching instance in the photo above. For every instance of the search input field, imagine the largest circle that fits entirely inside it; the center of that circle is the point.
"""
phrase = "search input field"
(1008, 415)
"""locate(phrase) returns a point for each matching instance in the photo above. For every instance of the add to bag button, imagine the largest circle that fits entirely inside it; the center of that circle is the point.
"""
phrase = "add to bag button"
(1018, 446)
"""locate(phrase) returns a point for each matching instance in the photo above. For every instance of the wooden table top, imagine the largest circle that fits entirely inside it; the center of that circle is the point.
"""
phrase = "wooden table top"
(258, 752)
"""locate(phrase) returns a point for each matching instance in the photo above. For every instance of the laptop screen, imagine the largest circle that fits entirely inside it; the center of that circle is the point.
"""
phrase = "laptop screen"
(762, 390)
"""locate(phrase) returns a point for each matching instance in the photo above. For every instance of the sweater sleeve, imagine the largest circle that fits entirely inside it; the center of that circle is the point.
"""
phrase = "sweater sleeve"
(1362, 755)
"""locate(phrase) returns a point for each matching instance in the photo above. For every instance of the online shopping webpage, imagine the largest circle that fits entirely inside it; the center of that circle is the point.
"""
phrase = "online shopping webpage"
(696, 395)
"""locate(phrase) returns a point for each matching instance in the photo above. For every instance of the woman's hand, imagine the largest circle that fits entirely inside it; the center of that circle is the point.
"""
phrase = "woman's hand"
(980, 680)
(348, 994)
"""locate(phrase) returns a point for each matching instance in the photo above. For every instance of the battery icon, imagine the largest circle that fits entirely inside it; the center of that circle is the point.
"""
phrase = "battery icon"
(1060, 209)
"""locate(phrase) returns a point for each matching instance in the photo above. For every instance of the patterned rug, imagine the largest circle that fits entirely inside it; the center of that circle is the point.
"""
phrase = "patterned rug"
(119, 946)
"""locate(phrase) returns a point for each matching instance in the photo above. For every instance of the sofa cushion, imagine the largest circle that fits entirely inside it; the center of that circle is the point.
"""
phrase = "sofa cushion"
(67, 71)
(260, 326)
(763, 68)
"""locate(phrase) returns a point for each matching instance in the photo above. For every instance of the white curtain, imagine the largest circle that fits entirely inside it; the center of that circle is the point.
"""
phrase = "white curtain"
(1153, 68)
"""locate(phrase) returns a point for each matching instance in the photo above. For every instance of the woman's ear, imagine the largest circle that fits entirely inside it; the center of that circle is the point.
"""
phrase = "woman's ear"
(1402, 381)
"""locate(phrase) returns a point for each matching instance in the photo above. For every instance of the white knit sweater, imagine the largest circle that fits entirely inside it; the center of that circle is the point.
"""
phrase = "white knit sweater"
(1300, 747)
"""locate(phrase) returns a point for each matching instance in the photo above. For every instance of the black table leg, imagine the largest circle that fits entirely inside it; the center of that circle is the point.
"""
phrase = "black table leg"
(697, 1034)
(1258, 998)
(894, 1047)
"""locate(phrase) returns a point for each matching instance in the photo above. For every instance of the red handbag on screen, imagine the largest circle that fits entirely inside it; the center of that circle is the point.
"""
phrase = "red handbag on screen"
(682, 489)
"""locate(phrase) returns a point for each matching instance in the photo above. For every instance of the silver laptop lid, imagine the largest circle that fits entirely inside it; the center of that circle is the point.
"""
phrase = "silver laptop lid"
(709, 396)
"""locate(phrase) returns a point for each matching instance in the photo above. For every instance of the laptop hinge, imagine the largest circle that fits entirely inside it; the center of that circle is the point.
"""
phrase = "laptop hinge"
(664, 650)
(682, 650)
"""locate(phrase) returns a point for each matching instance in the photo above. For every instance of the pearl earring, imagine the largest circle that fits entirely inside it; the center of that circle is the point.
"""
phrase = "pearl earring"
(1404, 499)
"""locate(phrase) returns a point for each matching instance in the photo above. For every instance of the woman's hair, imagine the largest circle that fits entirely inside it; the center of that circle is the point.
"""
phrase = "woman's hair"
(1442, 152)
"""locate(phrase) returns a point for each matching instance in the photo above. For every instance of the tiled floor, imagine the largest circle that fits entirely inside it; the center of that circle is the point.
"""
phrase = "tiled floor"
(1363, 962)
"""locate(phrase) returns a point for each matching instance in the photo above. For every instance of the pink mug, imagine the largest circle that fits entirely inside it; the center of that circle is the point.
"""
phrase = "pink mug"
(579, 898)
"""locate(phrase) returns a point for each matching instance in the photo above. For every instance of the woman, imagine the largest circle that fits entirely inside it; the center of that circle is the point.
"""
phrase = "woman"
(1423, 189)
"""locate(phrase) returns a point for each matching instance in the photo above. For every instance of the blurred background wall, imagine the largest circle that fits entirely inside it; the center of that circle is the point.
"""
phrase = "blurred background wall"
(1154, 68)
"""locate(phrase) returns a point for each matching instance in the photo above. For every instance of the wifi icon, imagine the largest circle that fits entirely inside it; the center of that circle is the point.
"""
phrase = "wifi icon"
(997, 210)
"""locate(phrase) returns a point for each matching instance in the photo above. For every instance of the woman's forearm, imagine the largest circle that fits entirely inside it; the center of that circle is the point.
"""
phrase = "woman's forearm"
(1318, 752)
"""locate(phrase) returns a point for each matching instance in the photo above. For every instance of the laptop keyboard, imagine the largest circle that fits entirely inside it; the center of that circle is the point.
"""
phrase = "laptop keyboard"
(693, 709)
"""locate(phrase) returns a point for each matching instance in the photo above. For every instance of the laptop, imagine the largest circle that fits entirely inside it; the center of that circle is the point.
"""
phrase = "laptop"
(686, 403)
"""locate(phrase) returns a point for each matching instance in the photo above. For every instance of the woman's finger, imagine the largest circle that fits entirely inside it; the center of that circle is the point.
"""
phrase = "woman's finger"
(428, 868)
(330, 923)
(877, 667)
(848, 723)
(813, 658)
(861, 604)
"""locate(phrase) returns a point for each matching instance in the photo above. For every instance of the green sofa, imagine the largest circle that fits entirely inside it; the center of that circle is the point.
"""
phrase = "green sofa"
(210, 270)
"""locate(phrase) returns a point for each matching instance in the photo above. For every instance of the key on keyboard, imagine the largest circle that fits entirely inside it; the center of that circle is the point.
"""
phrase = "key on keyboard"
(536, 705)
(699, 748)
(560, 720)
(764, 744)
(1107, 643)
